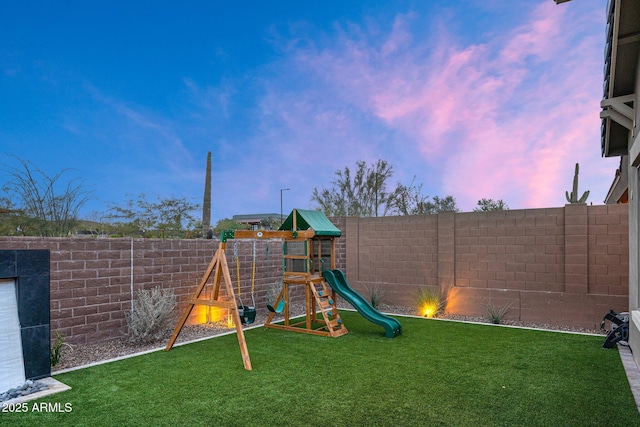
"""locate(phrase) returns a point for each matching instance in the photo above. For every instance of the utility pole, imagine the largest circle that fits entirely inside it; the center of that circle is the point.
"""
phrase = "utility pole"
(281, 190)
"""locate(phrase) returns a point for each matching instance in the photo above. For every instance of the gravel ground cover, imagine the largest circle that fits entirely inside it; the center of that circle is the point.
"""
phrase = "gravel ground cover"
(80, 355)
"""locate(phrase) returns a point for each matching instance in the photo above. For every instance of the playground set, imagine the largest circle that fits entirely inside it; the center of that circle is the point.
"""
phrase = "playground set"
(308, 260)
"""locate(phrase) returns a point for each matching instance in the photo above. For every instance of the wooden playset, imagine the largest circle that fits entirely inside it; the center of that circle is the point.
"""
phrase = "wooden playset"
(309, 249)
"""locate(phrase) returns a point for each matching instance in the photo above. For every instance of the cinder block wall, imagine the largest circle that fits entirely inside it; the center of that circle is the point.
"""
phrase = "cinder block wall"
(93, 281)
(565, 266)
(399, 253)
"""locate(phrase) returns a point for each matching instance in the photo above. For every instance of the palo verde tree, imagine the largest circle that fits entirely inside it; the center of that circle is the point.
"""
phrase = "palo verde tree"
(408, 200)
(362, 193)
(229, 224)
(445, 204)
(166, 217)
(485, 205)
(45, 205)
(365, 193)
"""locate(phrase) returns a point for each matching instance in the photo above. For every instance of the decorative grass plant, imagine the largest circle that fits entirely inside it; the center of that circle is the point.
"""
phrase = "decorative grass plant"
(56, 349)
(376, 293)
(496, 314)
(430, 302)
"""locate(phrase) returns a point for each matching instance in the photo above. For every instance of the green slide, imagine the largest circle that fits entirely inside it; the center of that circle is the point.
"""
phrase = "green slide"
(338, 282)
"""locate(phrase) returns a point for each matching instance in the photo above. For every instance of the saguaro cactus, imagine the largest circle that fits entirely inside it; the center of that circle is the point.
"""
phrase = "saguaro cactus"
(206, 204)
(573, 199)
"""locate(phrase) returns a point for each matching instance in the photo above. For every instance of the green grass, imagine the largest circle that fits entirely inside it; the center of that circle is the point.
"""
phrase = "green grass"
(435, 374)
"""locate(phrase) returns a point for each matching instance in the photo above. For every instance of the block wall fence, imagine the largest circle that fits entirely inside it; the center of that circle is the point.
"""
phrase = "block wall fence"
(93, 282)
(564, 266)
(561, 266)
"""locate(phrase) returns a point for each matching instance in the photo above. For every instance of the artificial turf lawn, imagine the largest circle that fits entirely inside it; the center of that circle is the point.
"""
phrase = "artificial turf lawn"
(435, 374)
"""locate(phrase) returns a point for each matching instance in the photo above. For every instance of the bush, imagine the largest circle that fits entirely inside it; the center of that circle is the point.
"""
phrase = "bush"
(376, 292)
(431, 302)
(56, 349)
(151, 313)
(495, 314)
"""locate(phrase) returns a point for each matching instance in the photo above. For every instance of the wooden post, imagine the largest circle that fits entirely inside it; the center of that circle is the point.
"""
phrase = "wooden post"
(236, 316)
(218, 266)
(285, 289)
(190, 305)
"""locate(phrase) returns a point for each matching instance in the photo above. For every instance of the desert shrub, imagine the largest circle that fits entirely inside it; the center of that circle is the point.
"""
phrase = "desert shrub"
(430, 302)
(495, 314)
(56, 349)
(376, 293)
(148, 322)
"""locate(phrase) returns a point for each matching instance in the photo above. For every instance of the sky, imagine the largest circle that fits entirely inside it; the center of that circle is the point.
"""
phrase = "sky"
(471, 98)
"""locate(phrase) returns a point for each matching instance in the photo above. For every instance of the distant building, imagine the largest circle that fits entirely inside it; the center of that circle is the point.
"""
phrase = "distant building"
(259, 221)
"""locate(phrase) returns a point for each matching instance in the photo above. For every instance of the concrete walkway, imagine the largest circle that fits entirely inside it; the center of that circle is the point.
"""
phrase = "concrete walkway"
(632, 370)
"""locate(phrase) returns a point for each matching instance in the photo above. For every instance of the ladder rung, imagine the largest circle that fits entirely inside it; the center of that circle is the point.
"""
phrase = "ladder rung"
(335, 323)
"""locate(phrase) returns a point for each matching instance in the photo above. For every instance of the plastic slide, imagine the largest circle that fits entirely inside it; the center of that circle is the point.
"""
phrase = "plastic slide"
(338, 282)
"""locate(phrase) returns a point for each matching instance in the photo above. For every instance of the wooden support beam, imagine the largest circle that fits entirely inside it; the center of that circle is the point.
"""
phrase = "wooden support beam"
(617, 110)
(220, 270)
(187, 312)
(273, 234)
(222, 304)
(297, 328)
(333, 254)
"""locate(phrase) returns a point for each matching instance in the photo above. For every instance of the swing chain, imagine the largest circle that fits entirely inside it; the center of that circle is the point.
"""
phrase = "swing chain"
(237, 259)
(253, 274)
(281, 304)
(247, 314)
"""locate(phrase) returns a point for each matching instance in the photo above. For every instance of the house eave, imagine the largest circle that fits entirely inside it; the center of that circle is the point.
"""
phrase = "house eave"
(621, 61)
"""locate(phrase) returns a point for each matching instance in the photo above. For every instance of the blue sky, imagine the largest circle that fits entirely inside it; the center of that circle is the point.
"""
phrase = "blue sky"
(475, 99)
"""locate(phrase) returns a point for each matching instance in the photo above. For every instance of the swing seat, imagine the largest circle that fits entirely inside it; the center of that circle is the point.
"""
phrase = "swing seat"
(277, 309)
(247, 314)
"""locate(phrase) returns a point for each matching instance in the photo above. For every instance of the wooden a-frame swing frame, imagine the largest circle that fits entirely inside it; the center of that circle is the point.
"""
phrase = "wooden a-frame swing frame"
(219, 270)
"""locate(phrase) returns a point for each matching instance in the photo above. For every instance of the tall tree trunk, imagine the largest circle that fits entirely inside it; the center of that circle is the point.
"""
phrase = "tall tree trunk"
(206, 205)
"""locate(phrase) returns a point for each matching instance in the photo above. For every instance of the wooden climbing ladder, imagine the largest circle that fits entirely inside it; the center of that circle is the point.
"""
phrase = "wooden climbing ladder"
(219, 269)
(326, 302)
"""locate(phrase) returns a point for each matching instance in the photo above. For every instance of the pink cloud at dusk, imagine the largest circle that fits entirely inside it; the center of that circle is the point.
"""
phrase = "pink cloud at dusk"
(505, 118)
(474, 99)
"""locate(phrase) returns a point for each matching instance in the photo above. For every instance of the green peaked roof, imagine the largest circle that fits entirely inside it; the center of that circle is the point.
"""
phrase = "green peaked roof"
(316, 220)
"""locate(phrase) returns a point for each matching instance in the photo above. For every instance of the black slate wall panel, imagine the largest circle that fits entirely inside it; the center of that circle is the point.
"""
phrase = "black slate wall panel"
(31, 271)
